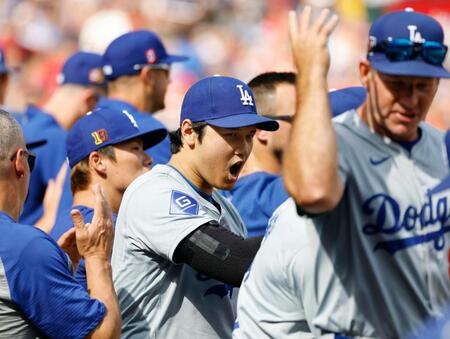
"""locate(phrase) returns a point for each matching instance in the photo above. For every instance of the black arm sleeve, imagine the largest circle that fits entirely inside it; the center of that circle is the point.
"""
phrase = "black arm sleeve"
(218, 253)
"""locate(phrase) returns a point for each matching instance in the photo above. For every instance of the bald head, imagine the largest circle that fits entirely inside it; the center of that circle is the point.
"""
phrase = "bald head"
(11, 136)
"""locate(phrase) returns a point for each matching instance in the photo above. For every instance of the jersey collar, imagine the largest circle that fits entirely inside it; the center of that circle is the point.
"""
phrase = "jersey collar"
(6, 217)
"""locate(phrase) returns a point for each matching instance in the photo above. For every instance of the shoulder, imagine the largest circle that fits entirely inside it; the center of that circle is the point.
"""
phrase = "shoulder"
(159, 178)
(158, 192)
(432, 132)
(28, 245)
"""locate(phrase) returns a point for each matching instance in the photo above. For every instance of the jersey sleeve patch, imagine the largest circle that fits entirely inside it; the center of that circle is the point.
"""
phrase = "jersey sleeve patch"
(182, 203)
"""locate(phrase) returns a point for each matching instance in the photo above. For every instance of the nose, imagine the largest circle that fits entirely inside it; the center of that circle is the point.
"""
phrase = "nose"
(244, 147)
(410, 97)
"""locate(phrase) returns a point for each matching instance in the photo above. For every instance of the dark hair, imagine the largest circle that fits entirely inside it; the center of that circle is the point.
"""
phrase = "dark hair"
(270, 79)
(176, 142)
(264, 86)
(80, 177)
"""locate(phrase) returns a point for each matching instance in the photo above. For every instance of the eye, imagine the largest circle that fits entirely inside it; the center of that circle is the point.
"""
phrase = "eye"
(424, 85)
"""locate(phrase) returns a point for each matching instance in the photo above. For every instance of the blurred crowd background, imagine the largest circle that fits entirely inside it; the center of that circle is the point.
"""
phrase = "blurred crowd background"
(240, 38)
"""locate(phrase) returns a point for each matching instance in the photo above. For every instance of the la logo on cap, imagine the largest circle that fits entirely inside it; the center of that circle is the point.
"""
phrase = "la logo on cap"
(246, 98)
(414, 35)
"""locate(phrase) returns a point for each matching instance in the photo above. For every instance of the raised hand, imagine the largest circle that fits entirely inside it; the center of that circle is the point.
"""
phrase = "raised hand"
(68, 243)
(95, 239)
(309, 39)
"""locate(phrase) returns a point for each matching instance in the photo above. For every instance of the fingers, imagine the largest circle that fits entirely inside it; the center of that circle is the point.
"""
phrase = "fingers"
(305, 18)
(61, 174)
(323, 24)
(77, 219)
(67, 237)
(293, 27)
(330, 25)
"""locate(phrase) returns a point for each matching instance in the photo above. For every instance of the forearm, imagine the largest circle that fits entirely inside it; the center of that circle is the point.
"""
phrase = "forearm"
(311, 161)
(100, 286)
(218, 253)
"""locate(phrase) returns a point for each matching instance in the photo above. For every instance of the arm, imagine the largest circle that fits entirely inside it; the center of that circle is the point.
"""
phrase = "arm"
(311, 161)
(217, 252)
(94, 242)
(51, 201)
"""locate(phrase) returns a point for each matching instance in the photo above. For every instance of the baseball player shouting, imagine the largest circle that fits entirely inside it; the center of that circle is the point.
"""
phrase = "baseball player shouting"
(372, 260)
(177, 239)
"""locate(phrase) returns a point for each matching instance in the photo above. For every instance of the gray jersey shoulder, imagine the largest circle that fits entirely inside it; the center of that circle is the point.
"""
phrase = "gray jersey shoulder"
(158, 297)
(270, 303)
(13, 323)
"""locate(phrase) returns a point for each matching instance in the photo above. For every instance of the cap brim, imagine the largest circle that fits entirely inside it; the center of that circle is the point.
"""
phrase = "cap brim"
(36, 143)
(343, 100)
(170, 59)
(244, 120)
(416, 67)
(150, 137)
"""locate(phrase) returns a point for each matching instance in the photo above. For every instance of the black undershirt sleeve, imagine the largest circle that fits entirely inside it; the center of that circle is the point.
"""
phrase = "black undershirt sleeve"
(218, 253)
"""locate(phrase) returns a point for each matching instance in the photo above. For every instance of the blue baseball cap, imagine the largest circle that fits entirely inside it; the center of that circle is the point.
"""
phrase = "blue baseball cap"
(129, 53)
(82, 68)
(3, 68)
(345, 99)
(416, 27)
(103, 127)
(223, 102)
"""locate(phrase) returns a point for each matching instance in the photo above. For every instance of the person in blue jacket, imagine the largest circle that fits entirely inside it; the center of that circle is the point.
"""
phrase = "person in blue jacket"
(38, 295)
(259, 190)
(80, 83)
(137, 67)
(106, 147)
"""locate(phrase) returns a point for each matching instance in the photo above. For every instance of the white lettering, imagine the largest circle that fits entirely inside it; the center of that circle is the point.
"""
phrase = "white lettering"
(246, 98)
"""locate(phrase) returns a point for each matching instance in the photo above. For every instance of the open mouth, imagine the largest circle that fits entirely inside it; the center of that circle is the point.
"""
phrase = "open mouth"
(235, 169)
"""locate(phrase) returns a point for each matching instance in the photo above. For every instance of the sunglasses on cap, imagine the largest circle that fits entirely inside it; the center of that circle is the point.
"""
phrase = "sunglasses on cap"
(31, 158)
(404, 49)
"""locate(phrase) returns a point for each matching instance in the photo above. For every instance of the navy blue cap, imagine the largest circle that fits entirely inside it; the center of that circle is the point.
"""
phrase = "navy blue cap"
(82, 68)
(130, 52)
(345, 99)
(3, 68)
(103, 127)
(414, 26)
(223, 102)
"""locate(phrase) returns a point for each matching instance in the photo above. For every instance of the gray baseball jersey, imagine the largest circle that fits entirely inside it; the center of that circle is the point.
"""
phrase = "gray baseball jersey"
(158, 298)
(377, 264)
(270, 301)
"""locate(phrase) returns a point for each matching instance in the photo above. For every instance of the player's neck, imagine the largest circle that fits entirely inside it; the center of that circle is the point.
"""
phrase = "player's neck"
(87, 198)
(183, 166)
(84, 198)
(9, 200)
(261, 163)
(61, 110)
(133, 98)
